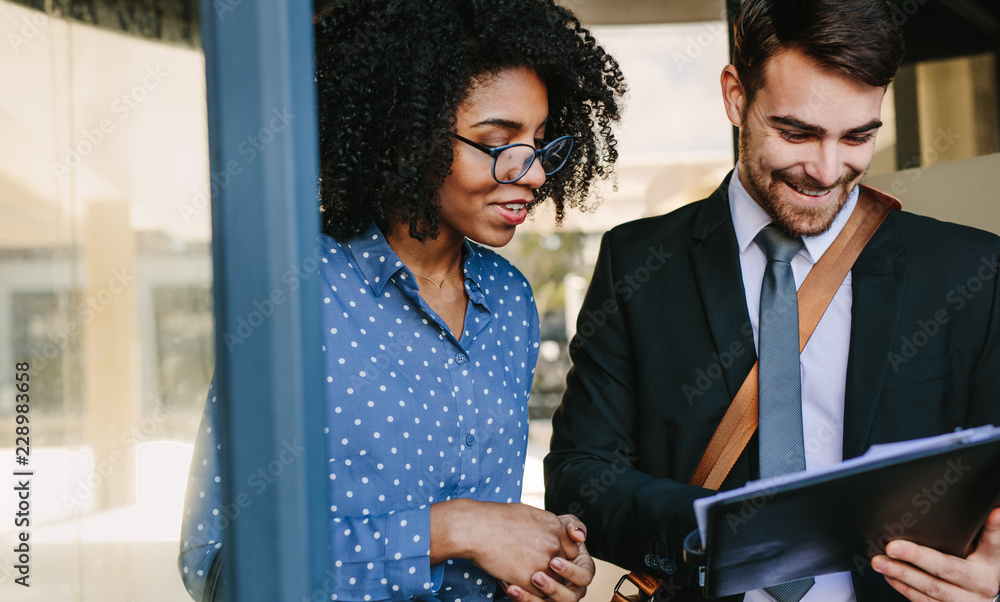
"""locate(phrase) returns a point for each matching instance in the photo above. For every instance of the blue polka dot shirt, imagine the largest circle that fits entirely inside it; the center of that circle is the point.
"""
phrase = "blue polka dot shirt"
(414, 417)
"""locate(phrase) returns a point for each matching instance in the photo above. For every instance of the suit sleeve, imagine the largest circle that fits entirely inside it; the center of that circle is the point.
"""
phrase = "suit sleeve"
(985, 386)
(634, 519)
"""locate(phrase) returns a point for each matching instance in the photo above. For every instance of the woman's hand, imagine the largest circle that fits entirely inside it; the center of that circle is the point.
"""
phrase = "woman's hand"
(513, 542)
(575, 571)
(923, 574)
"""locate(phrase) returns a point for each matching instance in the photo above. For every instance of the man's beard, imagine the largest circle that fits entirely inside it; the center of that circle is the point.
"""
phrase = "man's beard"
(796, 220)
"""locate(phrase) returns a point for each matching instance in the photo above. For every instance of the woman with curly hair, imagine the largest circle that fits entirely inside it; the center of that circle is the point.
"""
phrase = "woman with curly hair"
(442, 124)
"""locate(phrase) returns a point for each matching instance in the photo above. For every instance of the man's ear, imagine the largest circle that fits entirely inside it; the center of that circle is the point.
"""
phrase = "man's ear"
(733, 96)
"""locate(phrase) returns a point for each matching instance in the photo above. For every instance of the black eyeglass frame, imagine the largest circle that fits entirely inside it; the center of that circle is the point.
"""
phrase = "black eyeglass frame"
(495, 151)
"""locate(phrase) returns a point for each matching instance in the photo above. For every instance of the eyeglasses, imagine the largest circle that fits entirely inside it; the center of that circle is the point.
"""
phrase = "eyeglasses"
(512, 161)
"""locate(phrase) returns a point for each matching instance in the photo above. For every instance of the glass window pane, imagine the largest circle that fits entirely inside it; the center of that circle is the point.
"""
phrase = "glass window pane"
(105, 292)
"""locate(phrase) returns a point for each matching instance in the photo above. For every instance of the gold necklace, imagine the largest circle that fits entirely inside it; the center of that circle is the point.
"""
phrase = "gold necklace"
(442, 280)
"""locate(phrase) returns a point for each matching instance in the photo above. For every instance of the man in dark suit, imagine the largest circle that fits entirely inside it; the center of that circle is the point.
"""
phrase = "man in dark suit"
(909, 347)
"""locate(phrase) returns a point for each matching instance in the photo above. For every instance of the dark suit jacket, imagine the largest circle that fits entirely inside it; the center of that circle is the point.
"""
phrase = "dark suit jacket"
(664, 341)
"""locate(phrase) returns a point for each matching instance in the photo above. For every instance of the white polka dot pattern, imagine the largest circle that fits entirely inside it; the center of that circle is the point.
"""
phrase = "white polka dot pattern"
(414, 417)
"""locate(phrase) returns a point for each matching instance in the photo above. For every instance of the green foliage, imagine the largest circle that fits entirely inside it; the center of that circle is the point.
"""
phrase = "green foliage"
(545, 260)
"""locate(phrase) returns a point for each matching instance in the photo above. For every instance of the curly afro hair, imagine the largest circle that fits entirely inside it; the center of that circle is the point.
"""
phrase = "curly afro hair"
(390, 75)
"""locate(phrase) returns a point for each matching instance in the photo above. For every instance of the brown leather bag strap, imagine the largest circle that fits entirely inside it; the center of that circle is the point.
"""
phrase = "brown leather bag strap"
(817, 291)
(647, 584)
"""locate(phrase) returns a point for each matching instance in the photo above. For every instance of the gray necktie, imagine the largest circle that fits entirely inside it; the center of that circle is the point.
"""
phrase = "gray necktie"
(779, 384)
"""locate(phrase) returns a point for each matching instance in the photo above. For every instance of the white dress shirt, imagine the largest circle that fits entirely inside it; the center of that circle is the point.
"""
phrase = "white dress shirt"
(823, 361)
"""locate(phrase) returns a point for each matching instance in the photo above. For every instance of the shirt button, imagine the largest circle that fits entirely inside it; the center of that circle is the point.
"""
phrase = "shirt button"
(460, 358)
(485, 589)
(470, 440)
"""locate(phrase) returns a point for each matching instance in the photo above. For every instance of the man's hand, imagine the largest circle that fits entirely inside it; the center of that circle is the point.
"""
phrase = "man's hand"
(512, 542)
(575, 574)
(922, 574)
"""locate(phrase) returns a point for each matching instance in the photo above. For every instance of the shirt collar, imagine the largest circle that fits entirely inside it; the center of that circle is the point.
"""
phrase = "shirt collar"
(474, 272)
(379, 263)
(375, 258)
(749, 219)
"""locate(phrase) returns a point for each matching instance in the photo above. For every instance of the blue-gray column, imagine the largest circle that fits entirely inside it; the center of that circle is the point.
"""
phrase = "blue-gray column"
(732, 8)
(262, 131)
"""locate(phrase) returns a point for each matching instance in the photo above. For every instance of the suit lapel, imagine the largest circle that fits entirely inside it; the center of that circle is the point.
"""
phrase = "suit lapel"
(878, 281)
(716, 264)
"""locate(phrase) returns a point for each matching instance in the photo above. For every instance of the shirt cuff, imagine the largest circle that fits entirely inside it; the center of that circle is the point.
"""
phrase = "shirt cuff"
(408, 554)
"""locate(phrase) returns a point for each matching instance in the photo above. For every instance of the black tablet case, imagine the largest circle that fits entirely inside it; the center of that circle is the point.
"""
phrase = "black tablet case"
(834, 523)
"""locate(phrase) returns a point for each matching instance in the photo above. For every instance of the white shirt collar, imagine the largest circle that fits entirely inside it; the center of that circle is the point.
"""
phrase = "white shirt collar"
(749, 219)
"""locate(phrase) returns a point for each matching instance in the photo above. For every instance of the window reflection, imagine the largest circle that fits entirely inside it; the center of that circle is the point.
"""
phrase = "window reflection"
(105, 290)
(36, 318)
(184, 343)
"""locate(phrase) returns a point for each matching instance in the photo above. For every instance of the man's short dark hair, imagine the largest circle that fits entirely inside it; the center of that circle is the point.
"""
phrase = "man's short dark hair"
(857, 37)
